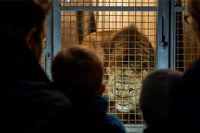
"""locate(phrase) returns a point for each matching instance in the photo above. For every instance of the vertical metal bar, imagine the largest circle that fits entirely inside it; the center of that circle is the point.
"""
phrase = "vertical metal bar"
(49, 41)
(163, 34)
(56, 27)
(173, 36)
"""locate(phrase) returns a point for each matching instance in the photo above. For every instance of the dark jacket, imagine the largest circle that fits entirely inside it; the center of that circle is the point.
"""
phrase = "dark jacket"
(191, 99)
(162, 128)
(27, 99)
(96, 117)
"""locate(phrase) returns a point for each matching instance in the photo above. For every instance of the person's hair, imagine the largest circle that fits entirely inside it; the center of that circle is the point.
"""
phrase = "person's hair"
(79, 70)
(19, 17)
(193, 8)
(160, 97)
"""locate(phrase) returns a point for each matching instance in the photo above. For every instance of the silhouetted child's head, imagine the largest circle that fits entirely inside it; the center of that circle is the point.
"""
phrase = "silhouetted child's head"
(79, 72)
(159, 99)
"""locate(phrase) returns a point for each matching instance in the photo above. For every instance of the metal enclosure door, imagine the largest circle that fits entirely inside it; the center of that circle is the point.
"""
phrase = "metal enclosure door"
(168, 34)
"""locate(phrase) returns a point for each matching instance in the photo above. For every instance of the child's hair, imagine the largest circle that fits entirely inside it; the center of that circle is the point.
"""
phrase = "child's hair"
(160, 97)
(78, 71)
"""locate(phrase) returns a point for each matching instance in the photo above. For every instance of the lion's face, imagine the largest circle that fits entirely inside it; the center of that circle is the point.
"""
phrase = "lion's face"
(124, 86)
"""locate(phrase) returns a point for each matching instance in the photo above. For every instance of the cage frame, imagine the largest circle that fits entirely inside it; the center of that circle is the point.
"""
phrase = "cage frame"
(166, 35)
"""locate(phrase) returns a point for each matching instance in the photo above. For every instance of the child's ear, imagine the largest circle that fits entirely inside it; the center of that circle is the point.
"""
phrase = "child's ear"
(101, 90)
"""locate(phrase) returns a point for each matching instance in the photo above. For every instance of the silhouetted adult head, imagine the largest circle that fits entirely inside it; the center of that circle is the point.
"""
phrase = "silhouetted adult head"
(160, 100)
(193, 9)
(22, 26)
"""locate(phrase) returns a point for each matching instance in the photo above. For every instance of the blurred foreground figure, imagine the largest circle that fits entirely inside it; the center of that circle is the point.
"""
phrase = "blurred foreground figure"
(191, 80)
(28, 102)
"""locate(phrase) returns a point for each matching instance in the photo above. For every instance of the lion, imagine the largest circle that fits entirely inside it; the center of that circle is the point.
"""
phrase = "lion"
(127, 55)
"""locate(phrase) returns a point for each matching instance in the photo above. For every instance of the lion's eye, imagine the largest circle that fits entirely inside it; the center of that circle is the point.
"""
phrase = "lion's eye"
(116, 91)
(118, 85)
(131, 90)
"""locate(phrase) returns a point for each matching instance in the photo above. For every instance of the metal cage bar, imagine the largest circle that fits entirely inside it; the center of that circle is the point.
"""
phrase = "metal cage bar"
(49, 45)
(163, 34)
(106, 8)
(173, 35)
(56, 27)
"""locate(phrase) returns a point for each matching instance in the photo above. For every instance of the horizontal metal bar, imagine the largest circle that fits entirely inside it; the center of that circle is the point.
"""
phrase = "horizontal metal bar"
(108, 8)
(134, 128)
(179, 9)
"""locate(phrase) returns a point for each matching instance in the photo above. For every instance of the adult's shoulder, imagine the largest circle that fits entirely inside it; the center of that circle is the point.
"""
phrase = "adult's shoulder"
(44, 92)
(37, 104)
(193, 69)
(33, 93)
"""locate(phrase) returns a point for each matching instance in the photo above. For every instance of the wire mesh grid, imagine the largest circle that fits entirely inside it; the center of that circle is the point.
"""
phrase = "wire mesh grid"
(181, 3)
(125, 41)
(179, 42)
(187, 49)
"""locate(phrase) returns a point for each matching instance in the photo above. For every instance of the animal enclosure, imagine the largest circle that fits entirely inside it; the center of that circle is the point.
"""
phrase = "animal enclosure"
(132, 37)
(123, 34)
